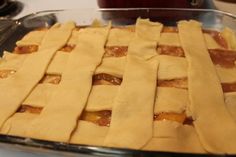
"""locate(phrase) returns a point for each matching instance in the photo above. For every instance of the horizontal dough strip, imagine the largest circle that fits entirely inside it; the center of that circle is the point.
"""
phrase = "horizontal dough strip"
(89, 134)
(224, 58)
(120, 51)
(183, 82)
(214, 39)
(101, 97)
(110, 51)
(26, 49)
(170, 67)
(17, 125)
(230, 99)
(98, 79)
(103, 117)
(174, 137)
(106, 79)
(171, 100)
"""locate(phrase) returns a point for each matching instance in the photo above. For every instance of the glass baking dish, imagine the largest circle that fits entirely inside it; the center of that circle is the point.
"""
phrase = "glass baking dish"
(13, 30)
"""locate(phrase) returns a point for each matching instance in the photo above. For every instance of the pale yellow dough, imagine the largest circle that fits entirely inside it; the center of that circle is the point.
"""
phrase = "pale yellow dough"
(174, 137)
(170, 39)
(17, 87)
(18, 124)
(210, 42)
(230, 99)
(70, 98)
(216, 132)
(12, 61)
(226, 75)
(41, 95)
(171, 100)
(119, 37)
(89, 134)
(113, 66)
(134, 102)
(101, 97)
(230, 37)
(136, 90)
(172, 67)
(58, 63)
(32, 38)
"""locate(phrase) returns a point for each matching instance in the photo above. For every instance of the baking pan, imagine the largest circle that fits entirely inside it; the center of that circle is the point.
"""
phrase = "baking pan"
(13, 30)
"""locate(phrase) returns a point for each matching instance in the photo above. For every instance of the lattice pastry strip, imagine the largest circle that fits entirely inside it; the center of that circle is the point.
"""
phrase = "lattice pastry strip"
(18, 124)
(205, 100)
(142, 64)
(163, 102)
(175, 137)
(230, 99)
(32, 38)
(84, 135)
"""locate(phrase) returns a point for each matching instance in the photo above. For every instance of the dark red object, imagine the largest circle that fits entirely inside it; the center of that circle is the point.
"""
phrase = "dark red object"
(150, 3)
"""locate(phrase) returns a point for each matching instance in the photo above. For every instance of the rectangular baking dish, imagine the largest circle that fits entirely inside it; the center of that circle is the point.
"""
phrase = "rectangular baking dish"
(13, 30)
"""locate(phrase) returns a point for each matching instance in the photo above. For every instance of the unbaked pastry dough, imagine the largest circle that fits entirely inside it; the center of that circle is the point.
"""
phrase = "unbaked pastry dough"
(170, 39)
(101, 97)
(84, 135)
(230, 99)
(69, 100)
(172, 67)
(230, 37)
(127, 113)
(119, 37)
(163, 102)
(32, 38)
(226, 75)
(112, 66)
(18, 124)
(24, 80)
(174, 137)
(128, 108)
(41, 95)
(205, 93)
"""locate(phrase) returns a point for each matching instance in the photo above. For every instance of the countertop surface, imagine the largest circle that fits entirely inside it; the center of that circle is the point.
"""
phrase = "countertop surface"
(226, 6)
(40, 5)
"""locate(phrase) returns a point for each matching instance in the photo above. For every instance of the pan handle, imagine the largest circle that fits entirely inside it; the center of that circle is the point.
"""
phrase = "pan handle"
(7, 27)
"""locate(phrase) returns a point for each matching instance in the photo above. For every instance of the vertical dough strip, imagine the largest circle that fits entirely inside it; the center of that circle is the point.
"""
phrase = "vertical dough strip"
(132, 113)
(214, 125)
